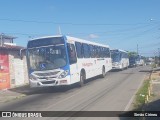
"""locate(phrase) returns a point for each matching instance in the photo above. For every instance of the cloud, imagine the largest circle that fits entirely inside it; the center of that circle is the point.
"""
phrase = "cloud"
(93, 36)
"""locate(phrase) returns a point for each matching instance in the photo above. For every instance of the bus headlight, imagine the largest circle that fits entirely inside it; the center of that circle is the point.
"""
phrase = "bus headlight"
(32, 77)
(63, 74)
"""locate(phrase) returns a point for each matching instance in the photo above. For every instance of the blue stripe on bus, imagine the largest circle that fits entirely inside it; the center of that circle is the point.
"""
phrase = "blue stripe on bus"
(66, 68)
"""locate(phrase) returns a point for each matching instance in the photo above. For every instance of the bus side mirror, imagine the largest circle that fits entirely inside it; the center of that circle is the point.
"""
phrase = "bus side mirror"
(21, 54)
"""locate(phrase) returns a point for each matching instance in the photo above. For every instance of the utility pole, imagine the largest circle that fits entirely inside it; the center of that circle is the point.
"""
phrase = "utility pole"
(1, 39)
(159, 56)
(59, 30)
(137, 49)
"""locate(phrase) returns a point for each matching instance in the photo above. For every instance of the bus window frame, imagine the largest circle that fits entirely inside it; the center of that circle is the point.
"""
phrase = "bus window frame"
(73, 60)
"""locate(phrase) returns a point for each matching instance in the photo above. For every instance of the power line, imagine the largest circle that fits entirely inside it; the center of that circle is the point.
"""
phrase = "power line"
(119, 31)
(23, 34)
(148, 45)
(84, 33)
(64, 23)
(139, 34)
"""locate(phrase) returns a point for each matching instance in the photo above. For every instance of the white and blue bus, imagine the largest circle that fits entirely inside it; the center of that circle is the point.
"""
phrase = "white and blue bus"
(120, 59)
(63, 60)
(139, 60)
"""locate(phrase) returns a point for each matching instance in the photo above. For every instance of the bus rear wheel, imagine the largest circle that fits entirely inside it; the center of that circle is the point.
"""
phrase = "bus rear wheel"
(103, 72)
(82, 79)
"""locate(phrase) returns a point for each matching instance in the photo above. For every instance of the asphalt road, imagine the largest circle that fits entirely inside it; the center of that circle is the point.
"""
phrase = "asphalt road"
(113, 93)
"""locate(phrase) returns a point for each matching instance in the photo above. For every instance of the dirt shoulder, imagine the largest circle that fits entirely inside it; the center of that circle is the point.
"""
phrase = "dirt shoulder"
(150, 100)
(154, 101)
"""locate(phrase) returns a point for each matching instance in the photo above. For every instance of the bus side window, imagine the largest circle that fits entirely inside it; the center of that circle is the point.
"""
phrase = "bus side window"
(92, 51)
(71, 53)
(86, 50)
(108, 53)
(79, 49)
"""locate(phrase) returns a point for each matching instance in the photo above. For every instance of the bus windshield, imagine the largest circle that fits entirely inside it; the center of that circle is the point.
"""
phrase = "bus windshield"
(137, 59)
(47, 58)
(115, 56)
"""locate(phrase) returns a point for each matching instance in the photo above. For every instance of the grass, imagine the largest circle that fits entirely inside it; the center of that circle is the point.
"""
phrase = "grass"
(139, 101)
(141, 95)
(154, 65)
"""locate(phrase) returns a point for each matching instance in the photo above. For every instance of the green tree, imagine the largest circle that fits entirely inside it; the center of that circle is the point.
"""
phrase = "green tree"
(132, 54)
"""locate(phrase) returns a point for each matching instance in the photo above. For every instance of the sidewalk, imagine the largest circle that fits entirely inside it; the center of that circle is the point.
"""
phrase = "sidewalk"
(7, 95)
(156, 82)
(22, 91)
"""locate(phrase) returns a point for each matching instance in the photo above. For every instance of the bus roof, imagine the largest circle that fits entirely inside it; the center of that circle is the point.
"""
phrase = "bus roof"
(46, 37)
(69, 38)
(85, 41)
(119, 50)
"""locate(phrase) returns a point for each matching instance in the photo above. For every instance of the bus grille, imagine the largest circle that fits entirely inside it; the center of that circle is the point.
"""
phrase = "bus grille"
(48, 82)
(47, 74)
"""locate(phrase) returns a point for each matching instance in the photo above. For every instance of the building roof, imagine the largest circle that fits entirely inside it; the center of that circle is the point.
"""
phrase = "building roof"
(11, 47)
(7, 36)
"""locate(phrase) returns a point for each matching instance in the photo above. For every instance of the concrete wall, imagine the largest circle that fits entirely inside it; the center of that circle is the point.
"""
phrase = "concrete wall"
(13, 58)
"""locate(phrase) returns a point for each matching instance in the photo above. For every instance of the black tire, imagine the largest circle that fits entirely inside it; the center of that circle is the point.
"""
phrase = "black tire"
(82, 79)
(127, 67)
(103, 72)
(122, 67)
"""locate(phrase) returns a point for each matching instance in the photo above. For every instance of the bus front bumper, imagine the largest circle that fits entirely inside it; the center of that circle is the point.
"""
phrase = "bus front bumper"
(45, 83)
(116, 67)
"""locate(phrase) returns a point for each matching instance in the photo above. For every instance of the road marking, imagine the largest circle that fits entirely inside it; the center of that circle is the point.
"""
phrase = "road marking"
(62, 100)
